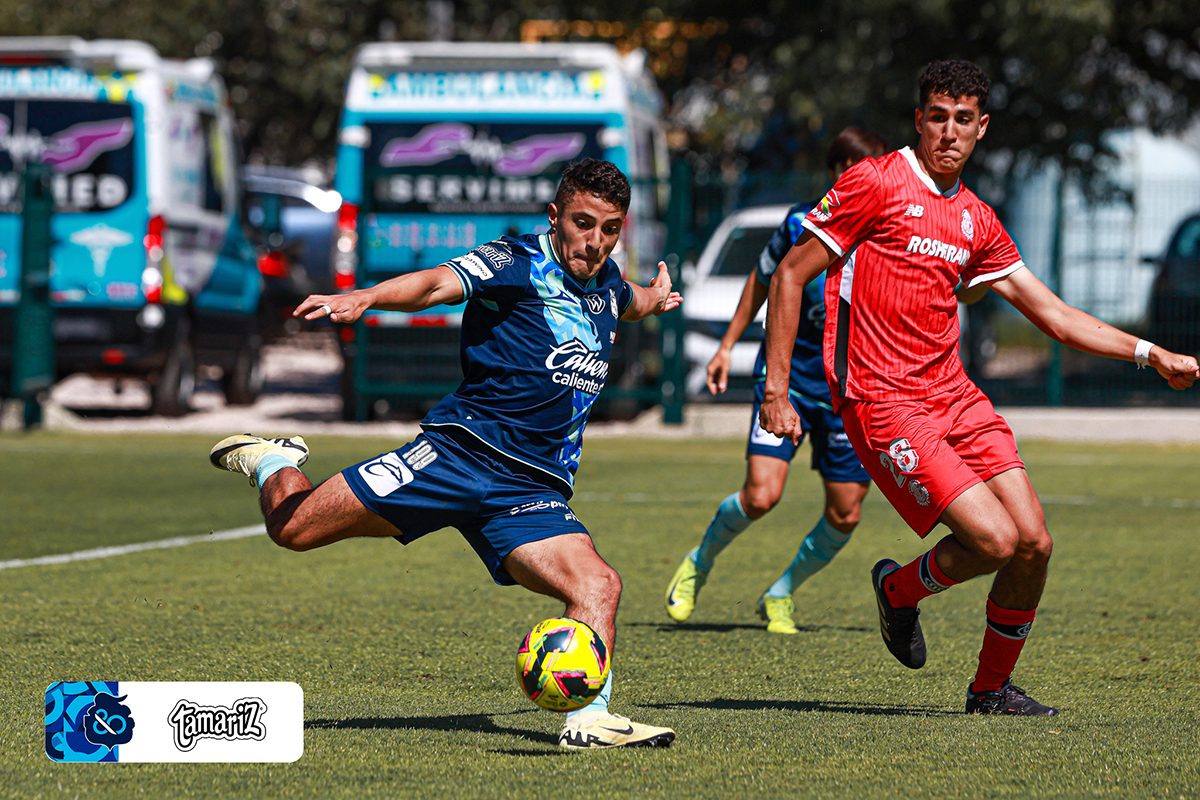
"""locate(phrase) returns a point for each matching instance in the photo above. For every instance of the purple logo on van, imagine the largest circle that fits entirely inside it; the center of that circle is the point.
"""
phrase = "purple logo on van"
(70, 150)
(528, 156)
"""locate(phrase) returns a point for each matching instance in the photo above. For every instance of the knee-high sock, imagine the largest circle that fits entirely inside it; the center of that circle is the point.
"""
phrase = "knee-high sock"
(727, 523)
(268, 465)
(600, 704)
(818, 549)
(913, 582)
(1002, 643)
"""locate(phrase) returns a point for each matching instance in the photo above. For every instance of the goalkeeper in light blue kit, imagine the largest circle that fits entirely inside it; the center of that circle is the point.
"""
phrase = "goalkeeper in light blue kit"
(768, 457)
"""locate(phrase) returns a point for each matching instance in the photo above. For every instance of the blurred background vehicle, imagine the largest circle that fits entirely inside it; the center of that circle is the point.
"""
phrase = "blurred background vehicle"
(293, 217)
(1175, 293)
(445, 146)
(711, 291)
(152, 271)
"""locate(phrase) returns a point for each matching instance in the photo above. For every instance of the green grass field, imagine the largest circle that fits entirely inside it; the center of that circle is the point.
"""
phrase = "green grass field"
(406, 655)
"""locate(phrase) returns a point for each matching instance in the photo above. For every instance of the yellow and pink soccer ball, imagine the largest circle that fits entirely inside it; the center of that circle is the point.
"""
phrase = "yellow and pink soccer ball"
(562, 664)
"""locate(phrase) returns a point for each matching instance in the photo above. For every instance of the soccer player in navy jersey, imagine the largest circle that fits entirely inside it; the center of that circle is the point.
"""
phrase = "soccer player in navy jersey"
(897, 235)
(496, 459)
(768, 457)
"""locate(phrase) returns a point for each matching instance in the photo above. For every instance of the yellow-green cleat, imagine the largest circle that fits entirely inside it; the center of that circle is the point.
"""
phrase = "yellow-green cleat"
(777, 612)
(682, 591)
(242, 453)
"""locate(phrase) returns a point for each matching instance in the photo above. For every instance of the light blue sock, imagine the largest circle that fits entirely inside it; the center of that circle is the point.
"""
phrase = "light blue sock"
(599, 704)
(817, 550)
(727, 523)
(268, 465)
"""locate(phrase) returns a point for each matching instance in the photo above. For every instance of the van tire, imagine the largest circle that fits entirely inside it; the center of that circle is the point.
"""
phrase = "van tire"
(176, 382)
(243, 384)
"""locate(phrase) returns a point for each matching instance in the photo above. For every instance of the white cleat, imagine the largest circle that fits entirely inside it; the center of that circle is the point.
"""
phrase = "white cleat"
(242, 453)
(598, 729)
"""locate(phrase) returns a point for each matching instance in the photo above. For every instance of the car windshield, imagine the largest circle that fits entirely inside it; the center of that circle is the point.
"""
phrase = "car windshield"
(90, 146)
(1187, 241)
(740, 253)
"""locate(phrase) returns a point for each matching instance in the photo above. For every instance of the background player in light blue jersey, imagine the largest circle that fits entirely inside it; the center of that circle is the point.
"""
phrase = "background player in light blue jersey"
(768, 457)
(497, 459)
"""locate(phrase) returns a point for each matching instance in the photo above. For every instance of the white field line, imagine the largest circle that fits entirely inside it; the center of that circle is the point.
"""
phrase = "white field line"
(125, 549)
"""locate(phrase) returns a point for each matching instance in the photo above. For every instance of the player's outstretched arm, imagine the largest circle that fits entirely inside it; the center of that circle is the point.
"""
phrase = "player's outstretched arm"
(1082, 331)
(415, 291)
(754, 294)
(809, 257)
(656, 299)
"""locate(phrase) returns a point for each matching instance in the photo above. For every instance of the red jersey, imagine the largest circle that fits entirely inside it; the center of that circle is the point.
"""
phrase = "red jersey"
(903, 247)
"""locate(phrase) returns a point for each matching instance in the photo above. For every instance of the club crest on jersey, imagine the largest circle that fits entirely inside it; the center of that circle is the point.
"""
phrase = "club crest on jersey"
(968, 227)
(596, 303)
(824, 209)
(919, 492)
(612, 301)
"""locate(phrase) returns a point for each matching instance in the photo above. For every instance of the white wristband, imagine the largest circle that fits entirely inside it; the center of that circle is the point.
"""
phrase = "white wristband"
(1141, 352)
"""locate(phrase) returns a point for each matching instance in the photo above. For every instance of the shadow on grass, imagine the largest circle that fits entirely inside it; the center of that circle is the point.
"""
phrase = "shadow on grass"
(726, 627)
(471, 723)
(828, 706)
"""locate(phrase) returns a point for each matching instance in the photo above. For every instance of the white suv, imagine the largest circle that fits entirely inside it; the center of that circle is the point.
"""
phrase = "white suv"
(710, 296)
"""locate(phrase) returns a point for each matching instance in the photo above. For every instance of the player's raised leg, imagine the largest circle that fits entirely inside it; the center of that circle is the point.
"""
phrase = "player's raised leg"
(766, 477)
(843, 510)
(298, 516)
(568, 568)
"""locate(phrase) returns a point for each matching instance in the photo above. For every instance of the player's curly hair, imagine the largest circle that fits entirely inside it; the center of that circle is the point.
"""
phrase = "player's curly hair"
(956, 79)
(595, 177)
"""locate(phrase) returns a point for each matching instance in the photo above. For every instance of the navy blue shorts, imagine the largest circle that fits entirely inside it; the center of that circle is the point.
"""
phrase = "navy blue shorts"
(832, 454)
(436, 482)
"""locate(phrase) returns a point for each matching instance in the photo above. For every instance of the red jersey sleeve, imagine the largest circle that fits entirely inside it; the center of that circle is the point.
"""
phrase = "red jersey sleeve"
(995, 255)
(850, 211)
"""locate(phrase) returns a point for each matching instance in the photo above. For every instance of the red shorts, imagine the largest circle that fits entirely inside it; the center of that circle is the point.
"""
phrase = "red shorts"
(924, 453)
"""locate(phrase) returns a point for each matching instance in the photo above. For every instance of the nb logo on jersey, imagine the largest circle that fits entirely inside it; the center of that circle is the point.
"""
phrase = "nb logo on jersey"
(914, 211)
(386, 474)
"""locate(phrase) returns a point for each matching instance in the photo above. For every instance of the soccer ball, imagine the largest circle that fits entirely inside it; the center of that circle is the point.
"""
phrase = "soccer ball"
(562, 664)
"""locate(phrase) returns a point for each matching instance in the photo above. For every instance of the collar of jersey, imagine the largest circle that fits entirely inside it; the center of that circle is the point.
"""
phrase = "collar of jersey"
(547, 243)
(911, 158)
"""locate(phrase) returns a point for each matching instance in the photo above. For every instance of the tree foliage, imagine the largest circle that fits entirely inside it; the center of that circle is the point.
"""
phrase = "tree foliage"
(765, 83)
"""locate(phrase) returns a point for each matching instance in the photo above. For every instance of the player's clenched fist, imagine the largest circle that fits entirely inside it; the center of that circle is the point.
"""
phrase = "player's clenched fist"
(778, 417)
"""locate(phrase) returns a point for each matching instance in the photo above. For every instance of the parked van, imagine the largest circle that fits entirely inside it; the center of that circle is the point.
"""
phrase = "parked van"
(448, 145)
(152, 271)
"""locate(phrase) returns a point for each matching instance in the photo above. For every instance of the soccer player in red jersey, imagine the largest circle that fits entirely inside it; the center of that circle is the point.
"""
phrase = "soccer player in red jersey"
(898, 235)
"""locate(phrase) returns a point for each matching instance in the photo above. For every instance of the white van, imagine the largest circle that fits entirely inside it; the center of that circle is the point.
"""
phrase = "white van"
(152, 271)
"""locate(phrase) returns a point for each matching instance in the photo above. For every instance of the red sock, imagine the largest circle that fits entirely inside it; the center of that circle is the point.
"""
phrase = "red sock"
(914, 582)
(1002, 643)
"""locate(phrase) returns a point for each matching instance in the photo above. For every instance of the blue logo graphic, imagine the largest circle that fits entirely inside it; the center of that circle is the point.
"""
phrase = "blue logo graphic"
(70, 713)
(108, 722)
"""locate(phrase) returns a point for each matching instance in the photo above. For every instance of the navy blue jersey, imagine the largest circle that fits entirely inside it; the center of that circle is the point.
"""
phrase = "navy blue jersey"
(808, 369)
(535, 348)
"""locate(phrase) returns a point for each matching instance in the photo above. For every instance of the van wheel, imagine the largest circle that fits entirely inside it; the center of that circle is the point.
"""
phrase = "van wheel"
(172, 394)
(244, 383)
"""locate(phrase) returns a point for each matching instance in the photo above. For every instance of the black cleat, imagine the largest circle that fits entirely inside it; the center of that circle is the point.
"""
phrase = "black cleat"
(1008, 699)
(899, 626)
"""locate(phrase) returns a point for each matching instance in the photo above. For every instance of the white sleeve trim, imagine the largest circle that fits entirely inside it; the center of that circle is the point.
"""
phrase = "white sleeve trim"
(997, 275)
(824, 237)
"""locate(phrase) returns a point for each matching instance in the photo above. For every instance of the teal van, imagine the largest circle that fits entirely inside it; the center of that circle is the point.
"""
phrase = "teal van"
(444, 146)
(151, 270)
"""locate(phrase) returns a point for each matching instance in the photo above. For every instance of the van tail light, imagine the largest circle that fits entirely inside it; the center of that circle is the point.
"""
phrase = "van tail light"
(345, 248)
(274, 264)
(152, 277)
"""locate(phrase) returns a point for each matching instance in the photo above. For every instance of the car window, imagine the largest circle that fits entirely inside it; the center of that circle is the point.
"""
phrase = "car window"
(740, 253)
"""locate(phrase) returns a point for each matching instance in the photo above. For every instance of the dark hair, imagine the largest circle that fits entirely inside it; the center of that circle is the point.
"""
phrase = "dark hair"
(595, 177)
(955, 79)
(854, 144)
